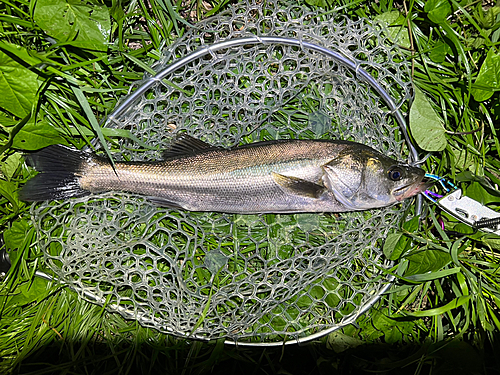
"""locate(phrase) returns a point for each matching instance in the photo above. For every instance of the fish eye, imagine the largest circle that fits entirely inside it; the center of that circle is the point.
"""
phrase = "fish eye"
(395, 173)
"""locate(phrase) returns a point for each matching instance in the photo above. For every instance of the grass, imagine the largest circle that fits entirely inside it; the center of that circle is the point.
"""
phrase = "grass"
(441, 314)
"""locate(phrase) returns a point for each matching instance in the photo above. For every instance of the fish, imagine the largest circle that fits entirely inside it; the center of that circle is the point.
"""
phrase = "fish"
(281, 176)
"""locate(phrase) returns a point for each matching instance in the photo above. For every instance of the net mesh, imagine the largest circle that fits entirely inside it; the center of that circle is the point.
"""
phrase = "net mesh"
(246, 278)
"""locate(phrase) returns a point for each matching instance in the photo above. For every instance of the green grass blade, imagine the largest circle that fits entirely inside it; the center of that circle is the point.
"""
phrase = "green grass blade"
(93, 121)
(433, 275)
(457, 302)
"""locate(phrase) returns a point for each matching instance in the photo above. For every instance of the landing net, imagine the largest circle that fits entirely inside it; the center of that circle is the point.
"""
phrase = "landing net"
(256, 72)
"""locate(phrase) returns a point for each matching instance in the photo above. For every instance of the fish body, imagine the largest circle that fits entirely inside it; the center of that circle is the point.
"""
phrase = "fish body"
(279, 176)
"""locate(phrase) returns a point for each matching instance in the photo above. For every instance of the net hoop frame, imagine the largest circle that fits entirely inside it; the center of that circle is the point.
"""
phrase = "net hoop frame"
(339, 58)
(255, 40)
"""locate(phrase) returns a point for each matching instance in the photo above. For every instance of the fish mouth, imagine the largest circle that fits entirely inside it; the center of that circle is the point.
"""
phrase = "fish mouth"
(410, 190)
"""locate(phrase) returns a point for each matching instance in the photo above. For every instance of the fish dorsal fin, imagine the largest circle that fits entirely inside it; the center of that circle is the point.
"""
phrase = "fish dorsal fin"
(184, 144)
(298, 186)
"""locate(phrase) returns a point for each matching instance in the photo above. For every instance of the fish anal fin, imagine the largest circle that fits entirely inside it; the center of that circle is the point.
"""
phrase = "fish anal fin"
(163, 202)
(184, 144)
(298, 186)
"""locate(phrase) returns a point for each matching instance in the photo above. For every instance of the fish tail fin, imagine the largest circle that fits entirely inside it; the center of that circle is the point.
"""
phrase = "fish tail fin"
(60, 168)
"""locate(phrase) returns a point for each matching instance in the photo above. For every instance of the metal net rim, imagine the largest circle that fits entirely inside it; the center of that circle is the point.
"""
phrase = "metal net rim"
(339, 57)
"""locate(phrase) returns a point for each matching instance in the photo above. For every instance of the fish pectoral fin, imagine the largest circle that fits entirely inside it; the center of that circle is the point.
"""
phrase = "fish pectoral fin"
(162, 202)
(298, 186)
(184, 144)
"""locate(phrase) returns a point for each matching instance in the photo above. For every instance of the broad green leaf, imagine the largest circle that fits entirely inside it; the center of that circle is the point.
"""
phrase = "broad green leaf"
(36, 136)
(81, 23)
(468, 176)
(35, 290)
(214, 261)
(396, 26)
(389, 18)
(464, 229)
(437, 10)
(492, 241)
(29, 57)
(7, 121)
(394, 246)
(370, 333)
(488, 80)
(427, 261)
(397, 243)
(339, 342)
(412, 224)
(30, 292)
(392, 329)
(18, 86)
(15, 235)
(477, 192)
(10, 165)
(8, 191)
(320, 122)
(439, 51)
(426, 126)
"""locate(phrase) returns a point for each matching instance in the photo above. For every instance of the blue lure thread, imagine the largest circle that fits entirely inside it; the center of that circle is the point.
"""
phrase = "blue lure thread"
(446, 184)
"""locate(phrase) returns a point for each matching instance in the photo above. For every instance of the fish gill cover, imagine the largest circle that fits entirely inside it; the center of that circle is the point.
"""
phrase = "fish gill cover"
(246, 278)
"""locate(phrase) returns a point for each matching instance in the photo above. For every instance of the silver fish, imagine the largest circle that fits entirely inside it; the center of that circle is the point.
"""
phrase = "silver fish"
(283, 176)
